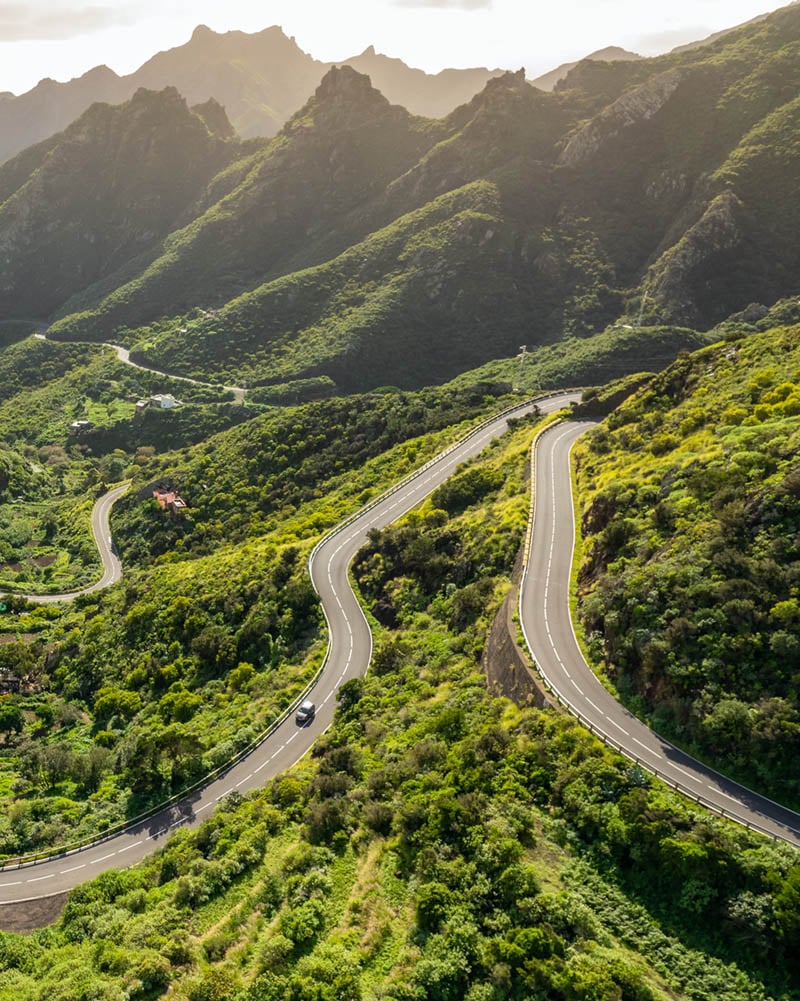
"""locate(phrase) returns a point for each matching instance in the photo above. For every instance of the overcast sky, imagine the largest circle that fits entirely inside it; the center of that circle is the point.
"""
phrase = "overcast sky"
(64, 38)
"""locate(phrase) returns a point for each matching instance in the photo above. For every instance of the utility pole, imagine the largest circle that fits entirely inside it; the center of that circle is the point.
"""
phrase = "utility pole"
(523, 350)
(642, 305)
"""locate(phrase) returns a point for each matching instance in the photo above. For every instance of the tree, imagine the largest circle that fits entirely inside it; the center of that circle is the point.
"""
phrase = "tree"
(11, 720)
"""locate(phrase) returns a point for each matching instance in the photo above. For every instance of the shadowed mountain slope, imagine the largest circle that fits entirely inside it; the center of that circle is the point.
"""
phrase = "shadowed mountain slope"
(370, 246)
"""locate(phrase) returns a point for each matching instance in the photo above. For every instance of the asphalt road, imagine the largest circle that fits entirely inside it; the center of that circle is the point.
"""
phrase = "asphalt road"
(124, 355)
(349, 654)
(547, 625)
(112, 568)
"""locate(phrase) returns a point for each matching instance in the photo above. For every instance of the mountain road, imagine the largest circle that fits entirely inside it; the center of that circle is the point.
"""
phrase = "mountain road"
(545, 617)
(547, 626)
(348, 656)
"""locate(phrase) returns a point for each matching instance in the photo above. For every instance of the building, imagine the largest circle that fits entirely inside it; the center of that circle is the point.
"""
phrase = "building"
(170, 501)
(164, 401)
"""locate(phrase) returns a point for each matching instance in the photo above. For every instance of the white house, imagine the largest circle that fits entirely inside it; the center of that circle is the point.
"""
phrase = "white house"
(164, 401)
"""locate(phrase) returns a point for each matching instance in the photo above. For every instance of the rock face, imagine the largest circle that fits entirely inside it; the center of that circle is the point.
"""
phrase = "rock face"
(505, 664)
(635, 106)
(109, 186)
(675, 282)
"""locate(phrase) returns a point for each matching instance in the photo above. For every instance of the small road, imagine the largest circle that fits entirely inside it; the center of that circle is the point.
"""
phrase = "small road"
(548, 629)
(124, 355)
(112, 568)
(348, 656)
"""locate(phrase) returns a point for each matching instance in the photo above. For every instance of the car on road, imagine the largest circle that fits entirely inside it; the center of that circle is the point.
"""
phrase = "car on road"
(305, 712)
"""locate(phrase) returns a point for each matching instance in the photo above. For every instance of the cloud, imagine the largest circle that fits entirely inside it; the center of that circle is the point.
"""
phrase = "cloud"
(24, 23)
(446, 4)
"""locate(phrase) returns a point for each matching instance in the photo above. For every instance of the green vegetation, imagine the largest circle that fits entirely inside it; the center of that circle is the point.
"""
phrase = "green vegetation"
(50, 476)
(589, 361)
(331, 456)
(365, 246)
(440, 843)
(689, 585)
(359, 316)
(216, 627)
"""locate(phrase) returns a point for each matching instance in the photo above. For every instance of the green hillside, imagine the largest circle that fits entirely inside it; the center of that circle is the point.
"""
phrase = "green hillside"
(79, 206)
(439, 843)
(589, 361)
(654, 190)
(689, 586)
(370, 278)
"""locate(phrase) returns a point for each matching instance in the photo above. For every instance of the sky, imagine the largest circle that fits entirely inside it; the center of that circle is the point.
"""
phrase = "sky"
(64, 38)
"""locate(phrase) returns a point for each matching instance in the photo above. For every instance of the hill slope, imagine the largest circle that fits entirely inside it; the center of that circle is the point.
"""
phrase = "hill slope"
(690, 494)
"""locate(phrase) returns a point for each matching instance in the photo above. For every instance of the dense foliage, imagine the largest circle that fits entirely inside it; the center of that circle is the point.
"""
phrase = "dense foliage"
(440, 843)
(246, 482)
(690, 581)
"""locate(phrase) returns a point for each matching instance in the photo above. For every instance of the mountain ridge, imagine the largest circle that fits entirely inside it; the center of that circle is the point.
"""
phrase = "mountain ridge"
(648, 191)
(261, 78)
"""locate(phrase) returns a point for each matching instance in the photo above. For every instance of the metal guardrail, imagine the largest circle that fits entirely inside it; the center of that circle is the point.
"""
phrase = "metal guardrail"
(127, 826)
(610, 741)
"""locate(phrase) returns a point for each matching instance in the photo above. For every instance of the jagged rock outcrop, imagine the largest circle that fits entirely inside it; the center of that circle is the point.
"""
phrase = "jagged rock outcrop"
(103, 191)
(674, 281)
(261, 79)
(636, 105)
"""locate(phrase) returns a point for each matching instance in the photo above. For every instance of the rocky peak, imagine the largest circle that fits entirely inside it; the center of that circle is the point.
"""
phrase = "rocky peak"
(343, 83)
(215, 118)
(145, 100)
(202, 35)
(345, 99)
(499, 87)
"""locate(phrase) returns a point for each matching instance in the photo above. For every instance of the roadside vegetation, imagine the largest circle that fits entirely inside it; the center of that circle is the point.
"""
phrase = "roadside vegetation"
(127, 696)
(439, 843)
(689, 588)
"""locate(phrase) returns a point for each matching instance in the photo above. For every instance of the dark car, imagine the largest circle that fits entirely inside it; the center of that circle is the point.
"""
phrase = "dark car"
(305, 712)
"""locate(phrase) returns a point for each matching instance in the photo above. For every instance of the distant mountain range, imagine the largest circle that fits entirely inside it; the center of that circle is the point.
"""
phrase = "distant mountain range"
(261, 79)
(612, 53)
(371, 246)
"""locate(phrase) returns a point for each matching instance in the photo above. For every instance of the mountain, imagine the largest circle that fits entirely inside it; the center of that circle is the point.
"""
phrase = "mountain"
(261, 79)
(77, 207)
(429, 95)
(612, 53)
(369, 246)
(376, 236)
(718, 34)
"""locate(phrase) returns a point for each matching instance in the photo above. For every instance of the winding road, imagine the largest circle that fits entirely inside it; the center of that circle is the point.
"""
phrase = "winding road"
(547, 626)
(348, 656)
(112, 568)
(544, 612)
(124, 355)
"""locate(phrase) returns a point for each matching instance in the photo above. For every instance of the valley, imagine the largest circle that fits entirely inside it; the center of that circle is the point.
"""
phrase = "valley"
(294, 372)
